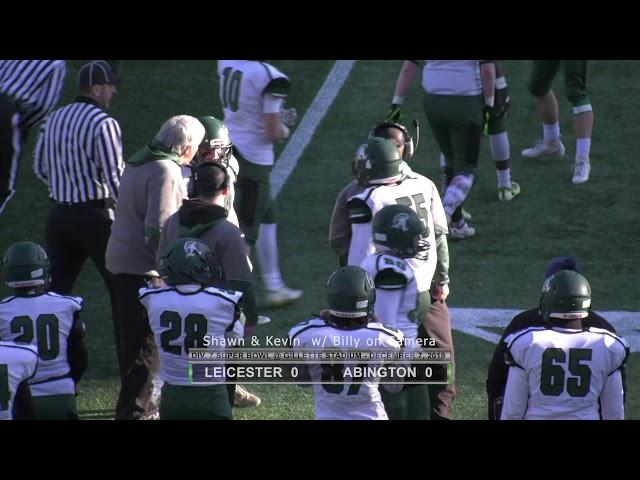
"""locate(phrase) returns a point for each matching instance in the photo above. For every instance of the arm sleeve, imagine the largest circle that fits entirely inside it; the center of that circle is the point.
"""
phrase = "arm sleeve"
(108, 147)
(516, 395)
(40, 166)
(440, 230)
(161, 204)
(22, 403)
(496, 380)
(77, 353)
(48, 97)
(236, 329)
(361, 244)
(162, 245)
(249, 299)
(340, 228)
(387, 305)
(442, 257)
(271, 104)
(611, 399)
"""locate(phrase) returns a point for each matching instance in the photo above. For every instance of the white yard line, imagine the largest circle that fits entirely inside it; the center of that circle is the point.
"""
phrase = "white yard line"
(307, 127)
(471, 321)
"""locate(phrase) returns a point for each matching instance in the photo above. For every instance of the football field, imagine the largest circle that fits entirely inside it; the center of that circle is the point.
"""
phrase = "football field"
(493, 275)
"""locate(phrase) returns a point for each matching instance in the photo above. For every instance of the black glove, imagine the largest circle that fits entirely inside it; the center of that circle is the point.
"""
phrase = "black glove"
(395, 114)
(501, 104)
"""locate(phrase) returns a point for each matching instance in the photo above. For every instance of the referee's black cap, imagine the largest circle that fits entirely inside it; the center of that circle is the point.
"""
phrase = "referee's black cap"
(97, 72)
(561, 263)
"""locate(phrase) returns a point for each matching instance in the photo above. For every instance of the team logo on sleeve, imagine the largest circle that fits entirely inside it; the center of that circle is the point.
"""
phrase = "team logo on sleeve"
(191, 249)
(400, 222)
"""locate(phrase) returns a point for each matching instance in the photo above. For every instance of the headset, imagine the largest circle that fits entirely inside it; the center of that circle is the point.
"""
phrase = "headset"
(226, 183)
(409, 146)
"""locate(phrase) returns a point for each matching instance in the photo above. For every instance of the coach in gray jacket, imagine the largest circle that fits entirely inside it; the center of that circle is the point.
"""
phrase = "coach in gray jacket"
(151, 189)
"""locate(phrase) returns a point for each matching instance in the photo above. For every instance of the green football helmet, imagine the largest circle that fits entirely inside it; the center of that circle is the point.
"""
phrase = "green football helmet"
(566, 295)
(399, 230)
(216, 137)
(380, 162)
(189, 260)
(351, 293)
(26, 265)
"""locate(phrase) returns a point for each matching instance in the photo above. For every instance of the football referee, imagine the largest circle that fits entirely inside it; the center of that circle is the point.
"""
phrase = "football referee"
(79, 157)
(29, 89)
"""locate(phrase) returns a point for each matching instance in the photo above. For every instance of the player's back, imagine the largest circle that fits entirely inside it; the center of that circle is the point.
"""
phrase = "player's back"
(406, 275)
(242, 86)
(182, 319)
(415, 191)
(44, 321)
(355, 401)
(17, 364)
(566, 369)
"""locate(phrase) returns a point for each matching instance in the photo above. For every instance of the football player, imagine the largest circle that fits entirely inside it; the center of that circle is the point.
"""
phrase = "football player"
(340, 228)
(18, 363)
(385, 183)
(498, 368)
(456, 94)
(206, 217)
(217, 147)
(347, 323)
(48, 321)
(438, 321)
(190, 307)
(402, 291)
(575, 80)
(564, 371)
(252, 94)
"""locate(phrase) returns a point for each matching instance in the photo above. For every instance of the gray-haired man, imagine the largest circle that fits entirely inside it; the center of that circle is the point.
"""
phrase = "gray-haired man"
(151, 189)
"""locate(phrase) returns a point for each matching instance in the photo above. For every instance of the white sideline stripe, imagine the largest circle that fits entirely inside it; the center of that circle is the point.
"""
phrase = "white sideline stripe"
(312, 118)
(471, 321)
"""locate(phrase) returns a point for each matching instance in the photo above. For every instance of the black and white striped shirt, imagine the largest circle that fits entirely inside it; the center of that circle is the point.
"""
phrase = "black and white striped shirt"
(35, 85)
(79, 153)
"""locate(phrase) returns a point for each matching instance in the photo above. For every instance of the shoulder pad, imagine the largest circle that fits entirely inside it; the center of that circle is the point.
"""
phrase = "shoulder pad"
(302, 326)
(232, 295)
(511, 338)
(278, 87)
(393, 332)
(509, 360)
(359, 211)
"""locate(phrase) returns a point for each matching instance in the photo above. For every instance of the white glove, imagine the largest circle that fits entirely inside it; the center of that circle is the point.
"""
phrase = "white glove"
(288, 116)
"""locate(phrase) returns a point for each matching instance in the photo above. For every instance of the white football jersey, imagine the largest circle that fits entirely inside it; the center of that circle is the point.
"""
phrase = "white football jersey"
(402, 293)
(245, 96)
(358, 401)
(415, 191)
(44, 321)
(452, 77)
(560, 374)
(18, 363)
(180, 318)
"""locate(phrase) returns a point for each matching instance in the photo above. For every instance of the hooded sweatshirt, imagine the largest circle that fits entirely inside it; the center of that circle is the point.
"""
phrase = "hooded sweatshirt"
(151, 189)
(208, 223)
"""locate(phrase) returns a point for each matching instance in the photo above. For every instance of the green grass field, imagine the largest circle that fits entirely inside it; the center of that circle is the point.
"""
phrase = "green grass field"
(499, 268)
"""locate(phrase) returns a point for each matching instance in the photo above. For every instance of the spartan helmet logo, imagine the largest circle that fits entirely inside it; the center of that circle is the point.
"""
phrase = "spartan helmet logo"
(400, 222)
(191, 249)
